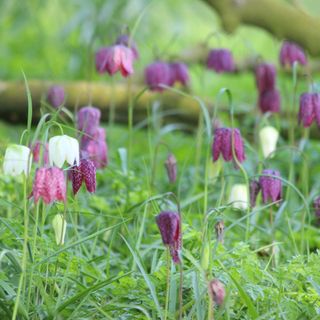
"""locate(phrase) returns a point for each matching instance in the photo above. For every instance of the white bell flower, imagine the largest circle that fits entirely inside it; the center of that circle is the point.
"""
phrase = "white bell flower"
(63, 148)
(17, 160)
(239, 196)
(59, 225)
(268, 140)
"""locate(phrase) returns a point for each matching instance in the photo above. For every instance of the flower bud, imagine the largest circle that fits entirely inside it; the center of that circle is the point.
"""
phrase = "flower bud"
(219, 229)
(268, 140)
(269, 101)
(63, 148)
(56, 96)
(220, 60)
(239, 196)
(156, 74)
(216, 291)
(171, 166)
(59, 225)
(88, 119)
(17, 160)
(169, 225)
(271, 187)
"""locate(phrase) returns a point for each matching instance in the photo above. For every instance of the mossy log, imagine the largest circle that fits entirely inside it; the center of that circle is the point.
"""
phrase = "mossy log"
(280, 18)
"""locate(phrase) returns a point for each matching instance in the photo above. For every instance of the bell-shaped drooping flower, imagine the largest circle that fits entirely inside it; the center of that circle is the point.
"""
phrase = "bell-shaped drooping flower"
(86, 172)
(170, 229)
(269, 101)
(56, 96)
(95, 148)
(171, 166)
(220, 60)
(88, 120)
(271, 187)
(179, 73)
(291, 52)
(63, 148)
(216, 291)
(128, 42)
(113, 59)
(239, 196)
(254, 191)
(59, 225)
(49, 184)
(157, 74)
(265, 77)
(36, 151)
(268, 140)
(309, 109)
(222, 144)
(17, 160)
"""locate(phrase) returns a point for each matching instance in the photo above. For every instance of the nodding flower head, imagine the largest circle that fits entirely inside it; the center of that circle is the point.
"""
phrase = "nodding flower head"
(269, 101)
(49, 184)
(113, 59)
(86, 172)
(222, 144)
(265, 77)
(179, 73)
(216, 291)
(56, 96)
(291, 52)
(220, 60)
(268, 139)
(239, 196)
(88, 119)
(309, 109)
(254, 189)
(171, 166)
(271, 187)
(36, 148)
(128, 42)
(169, 225)
(59, 225)
(157, 74)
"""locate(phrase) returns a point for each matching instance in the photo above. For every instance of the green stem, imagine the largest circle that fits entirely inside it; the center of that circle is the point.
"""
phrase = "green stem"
(130, 119)
(168, 284)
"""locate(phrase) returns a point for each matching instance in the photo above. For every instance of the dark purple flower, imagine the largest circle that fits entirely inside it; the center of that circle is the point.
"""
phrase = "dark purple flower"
(171, 166)
(95, 148)
(254, 190)
(86, 172)
(169, 225)
(113, 59)
(220, 60)
(222, 143)
(265, 77)
(291, 52)
(316, 206)
(271, 187)
(127, 41)
(38, 145)
(88, 119)
(56, 96)
(179, 73)
(269, 101)
(309, 109)
(158, 73)
(49, 184)
(216, 291)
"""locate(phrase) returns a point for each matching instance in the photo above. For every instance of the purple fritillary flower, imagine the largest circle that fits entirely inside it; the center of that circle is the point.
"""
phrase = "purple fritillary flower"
(56, 96)
(169, 225)
(291, 52)
(36, 152)
(113, 59)
(125, 40)
(265, 77)
(220, 60)
(86, 172)
(171, 166)
(254, 191)
(49, 184)
(271, 187)
(216, 291)
(179, 73)
(156, 74)
(309, 109)
(269, 101)
(88, 119)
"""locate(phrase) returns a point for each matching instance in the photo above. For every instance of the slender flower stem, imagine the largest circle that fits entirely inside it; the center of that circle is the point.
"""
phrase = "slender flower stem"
(272, 237)
(130, 119)
(168, 283)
